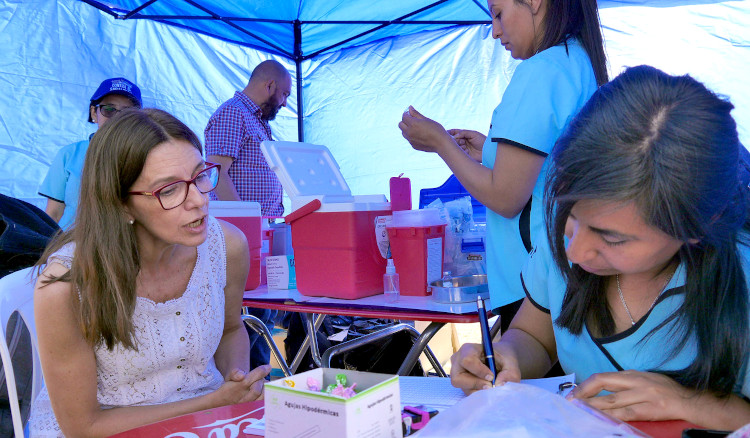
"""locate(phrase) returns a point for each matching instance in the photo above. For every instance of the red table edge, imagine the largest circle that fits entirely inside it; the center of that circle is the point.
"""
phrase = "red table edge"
(655, 429)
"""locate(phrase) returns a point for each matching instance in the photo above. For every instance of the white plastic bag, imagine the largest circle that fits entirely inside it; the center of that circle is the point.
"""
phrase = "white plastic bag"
(516, 410)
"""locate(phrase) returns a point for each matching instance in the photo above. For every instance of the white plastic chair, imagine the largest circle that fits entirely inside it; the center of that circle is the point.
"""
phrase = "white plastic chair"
(17, 294)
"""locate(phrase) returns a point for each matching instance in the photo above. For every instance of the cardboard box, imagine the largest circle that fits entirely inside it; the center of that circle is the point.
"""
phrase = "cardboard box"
(296, 411)
(280, 273)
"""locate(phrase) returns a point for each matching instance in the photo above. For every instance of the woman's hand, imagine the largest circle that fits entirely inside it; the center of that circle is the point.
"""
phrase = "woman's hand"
(637, 396)
(470, 374)
(241, 387)
(422, 133)
(471, 142)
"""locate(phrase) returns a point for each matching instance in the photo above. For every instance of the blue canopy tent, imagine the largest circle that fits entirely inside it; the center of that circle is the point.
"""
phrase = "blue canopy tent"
(356, 65)
(300, 33)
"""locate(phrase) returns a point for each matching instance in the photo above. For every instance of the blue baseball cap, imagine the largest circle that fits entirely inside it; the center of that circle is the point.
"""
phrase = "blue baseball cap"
(119, 86)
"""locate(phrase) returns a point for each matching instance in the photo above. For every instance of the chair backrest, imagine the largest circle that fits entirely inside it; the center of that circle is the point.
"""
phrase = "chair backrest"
(17, 294)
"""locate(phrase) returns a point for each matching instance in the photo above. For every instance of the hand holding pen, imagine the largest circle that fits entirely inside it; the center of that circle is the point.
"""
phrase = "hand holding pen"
(470, 372)
(489, 357)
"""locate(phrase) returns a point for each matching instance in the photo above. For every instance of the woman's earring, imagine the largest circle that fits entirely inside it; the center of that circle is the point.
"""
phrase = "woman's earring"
(131, 221)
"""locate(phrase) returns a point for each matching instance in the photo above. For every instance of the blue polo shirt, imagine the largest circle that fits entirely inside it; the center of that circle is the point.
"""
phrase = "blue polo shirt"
(543, 95)
(63, 180)
(586, 354)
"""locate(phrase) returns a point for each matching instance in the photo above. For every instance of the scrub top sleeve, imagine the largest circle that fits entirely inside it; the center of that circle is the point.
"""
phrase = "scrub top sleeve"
(535, 275)
(54, 183)
(743, 383)
(535, 107)
(224, 135)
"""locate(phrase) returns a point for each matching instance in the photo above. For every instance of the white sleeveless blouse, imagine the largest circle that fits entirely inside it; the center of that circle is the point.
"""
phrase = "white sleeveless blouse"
(176, 342)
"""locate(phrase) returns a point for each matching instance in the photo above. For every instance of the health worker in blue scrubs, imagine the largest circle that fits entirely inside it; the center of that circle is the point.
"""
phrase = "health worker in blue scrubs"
(561, 46)
(641, 288)
(63, 180)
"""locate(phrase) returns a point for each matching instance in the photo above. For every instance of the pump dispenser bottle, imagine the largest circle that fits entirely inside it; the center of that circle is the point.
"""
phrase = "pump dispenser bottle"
(390, 283)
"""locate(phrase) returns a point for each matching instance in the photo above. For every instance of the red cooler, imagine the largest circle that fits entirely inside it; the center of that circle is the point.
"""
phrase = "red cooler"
(333, 233)
(246, 217)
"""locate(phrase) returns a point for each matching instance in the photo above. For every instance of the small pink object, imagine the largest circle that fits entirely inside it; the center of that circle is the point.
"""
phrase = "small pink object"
(343, 391)
(312, 384)
(349, 392)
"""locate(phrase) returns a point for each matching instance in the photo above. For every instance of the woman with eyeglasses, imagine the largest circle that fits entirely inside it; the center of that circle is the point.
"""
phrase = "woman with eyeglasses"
(138, 307)
(63, 180)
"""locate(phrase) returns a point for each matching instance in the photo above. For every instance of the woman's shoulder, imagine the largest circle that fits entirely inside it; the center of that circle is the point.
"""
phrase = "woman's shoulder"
(565, 56)
(63, 256)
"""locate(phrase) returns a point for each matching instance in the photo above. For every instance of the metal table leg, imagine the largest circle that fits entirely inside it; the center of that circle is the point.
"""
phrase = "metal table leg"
(387, 332)
(313, 337)
(495, 328)
(260, 328)
(420, 345)
(306, 343)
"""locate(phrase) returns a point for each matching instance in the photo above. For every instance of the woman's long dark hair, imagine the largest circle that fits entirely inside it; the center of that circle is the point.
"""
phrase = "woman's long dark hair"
(105, 261)
(576, 19)
(669, 145)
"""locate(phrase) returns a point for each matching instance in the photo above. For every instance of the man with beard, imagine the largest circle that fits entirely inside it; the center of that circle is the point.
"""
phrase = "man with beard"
(235, 131)
(233, 136)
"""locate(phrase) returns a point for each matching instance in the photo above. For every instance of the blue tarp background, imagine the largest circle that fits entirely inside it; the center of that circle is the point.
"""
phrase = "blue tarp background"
(54, 53)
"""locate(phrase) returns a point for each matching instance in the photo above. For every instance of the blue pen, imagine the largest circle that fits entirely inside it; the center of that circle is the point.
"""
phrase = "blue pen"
(486, 338)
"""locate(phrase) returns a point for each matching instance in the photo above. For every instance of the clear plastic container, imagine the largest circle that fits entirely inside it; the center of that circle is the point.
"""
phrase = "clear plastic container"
(390, 283)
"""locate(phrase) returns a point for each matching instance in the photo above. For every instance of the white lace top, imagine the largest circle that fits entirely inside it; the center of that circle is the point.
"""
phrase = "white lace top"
(176, 343)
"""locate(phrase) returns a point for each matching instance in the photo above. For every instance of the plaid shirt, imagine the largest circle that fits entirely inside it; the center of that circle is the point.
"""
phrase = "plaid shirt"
(236, 130)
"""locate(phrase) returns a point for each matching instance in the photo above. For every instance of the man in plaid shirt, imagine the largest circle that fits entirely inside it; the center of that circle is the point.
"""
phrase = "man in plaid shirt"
(235, 131)
(233, 136)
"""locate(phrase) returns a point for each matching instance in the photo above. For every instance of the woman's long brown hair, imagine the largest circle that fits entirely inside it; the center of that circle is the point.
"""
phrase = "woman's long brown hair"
(105, 261)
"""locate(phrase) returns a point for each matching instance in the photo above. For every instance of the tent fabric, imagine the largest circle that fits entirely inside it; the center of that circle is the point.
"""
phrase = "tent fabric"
(56, 52)
(269, 25)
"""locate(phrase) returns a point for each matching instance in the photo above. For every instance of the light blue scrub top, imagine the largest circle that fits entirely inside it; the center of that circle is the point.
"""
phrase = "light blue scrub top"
(63, 180)
(585, 355)
(543, 95)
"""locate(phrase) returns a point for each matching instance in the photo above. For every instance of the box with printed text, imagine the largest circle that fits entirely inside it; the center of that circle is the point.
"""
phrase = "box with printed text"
(294, 410)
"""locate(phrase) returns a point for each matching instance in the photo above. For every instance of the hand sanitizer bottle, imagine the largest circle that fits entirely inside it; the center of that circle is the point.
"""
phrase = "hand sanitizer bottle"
(446, 280)
(390, 283)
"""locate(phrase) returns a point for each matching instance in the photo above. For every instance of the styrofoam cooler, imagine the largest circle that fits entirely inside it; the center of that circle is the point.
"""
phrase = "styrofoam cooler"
(417, 252)
(266, 244)
(333, 233)
(246, 217)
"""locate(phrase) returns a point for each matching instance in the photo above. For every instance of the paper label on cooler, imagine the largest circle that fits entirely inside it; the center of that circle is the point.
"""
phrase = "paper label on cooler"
(434, 259)
(381, 234)
(280, 272)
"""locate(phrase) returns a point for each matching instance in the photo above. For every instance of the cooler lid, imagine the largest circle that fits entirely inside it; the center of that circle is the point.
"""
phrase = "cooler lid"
(233, 209)
(306, 171)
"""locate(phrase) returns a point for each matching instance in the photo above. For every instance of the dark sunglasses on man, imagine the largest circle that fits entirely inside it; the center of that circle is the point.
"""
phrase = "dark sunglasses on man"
(108, 110)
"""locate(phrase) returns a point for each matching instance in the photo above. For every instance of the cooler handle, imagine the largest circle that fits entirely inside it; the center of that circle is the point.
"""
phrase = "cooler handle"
(303, 211)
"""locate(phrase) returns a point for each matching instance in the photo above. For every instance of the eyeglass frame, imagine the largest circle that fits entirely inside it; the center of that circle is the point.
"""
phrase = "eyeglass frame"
(99, 106)
(157, 192)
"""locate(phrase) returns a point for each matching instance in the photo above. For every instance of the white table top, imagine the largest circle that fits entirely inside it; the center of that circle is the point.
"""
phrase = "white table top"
(424, 303)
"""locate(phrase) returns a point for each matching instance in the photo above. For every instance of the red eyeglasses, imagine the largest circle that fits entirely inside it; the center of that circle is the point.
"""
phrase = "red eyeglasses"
(174, 194)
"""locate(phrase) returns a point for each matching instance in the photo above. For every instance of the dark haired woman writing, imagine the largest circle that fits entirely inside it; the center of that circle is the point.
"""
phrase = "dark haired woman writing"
(641, 288)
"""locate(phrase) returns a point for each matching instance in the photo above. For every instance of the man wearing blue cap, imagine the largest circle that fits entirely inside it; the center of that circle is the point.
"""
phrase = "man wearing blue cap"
(62, 183)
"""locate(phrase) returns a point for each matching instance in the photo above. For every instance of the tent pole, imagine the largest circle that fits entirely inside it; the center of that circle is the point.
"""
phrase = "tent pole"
(297, 63)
